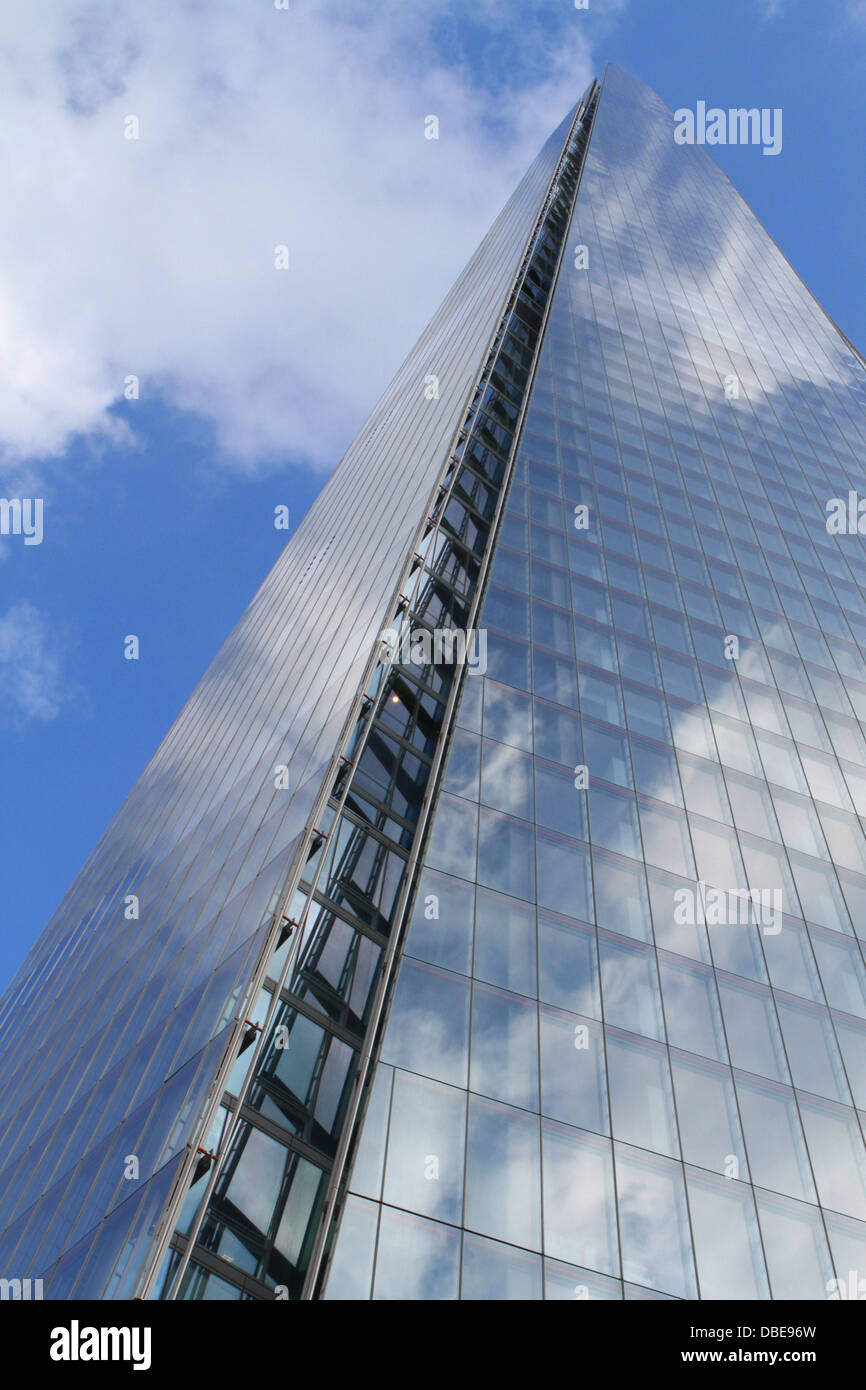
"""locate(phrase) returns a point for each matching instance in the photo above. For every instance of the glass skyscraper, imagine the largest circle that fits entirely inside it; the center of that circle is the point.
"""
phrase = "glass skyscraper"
(489, 924)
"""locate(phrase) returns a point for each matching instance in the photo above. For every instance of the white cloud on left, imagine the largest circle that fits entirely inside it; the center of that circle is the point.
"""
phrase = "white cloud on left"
(31, 685)
(257, 127)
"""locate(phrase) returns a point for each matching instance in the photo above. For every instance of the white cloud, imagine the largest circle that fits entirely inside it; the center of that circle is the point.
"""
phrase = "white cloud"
(852, 12)
(257, 127)
(30, 662)
(772, 9)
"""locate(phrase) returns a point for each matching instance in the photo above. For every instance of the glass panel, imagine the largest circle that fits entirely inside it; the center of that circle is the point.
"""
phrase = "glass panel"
(369, 1163)
(297, 1223)
(506, 779)
(256, 1175)
(718, 855)
(564, 876)
(441, 928)
(505, 942)
(573, 1070)
(428, 1029)
(505, 859)
(790, 962)
(503, 1182)
(676, 930)
(557, 734)
(416, 1259)
(842, 972)
(351, 1270)
(630, 986)
(848, 1247)
(452, 839)
(752, 1030)
(708, 1118)
(666, 838)
(606, 753)
(727, 1242)
(641, 1100)
(579, 1206)
(621, 898)
(563, 1281)
(774, 1138)
(655, 771)
(504, 1050)
(568, 968)
(613, 820)
(694, 1020)
(426, 1142)
(812, 1052)
(461, 771)
(202, 1285)
(561, 804)
(851, 1033)
(499, 1272)
(795, 1248)
(654, 1225)
(838, 1157)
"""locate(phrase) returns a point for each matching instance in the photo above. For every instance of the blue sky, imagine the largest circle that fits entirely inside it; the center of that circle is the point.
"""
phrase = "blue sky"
(155, 257)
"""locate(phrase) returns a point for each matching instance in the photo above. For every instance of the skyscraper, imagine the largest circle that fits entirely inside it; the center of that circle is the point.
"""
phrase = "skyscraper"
(489, 923)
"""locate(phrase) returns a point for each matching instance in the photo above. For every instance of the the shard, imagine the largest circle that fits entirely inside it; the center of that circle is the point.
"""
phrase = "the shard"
(490, 923)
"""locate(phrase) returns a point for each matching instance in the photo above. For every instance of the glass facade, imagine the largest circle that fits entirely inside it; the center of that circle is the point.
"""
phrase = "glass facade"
(544, 980)
(627, 1044)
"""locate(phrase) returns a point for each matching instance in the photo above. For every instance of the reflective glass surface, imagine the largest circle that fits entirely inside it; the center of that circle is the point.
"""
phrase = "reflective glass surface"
(639, 1016)
(625, 1051)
